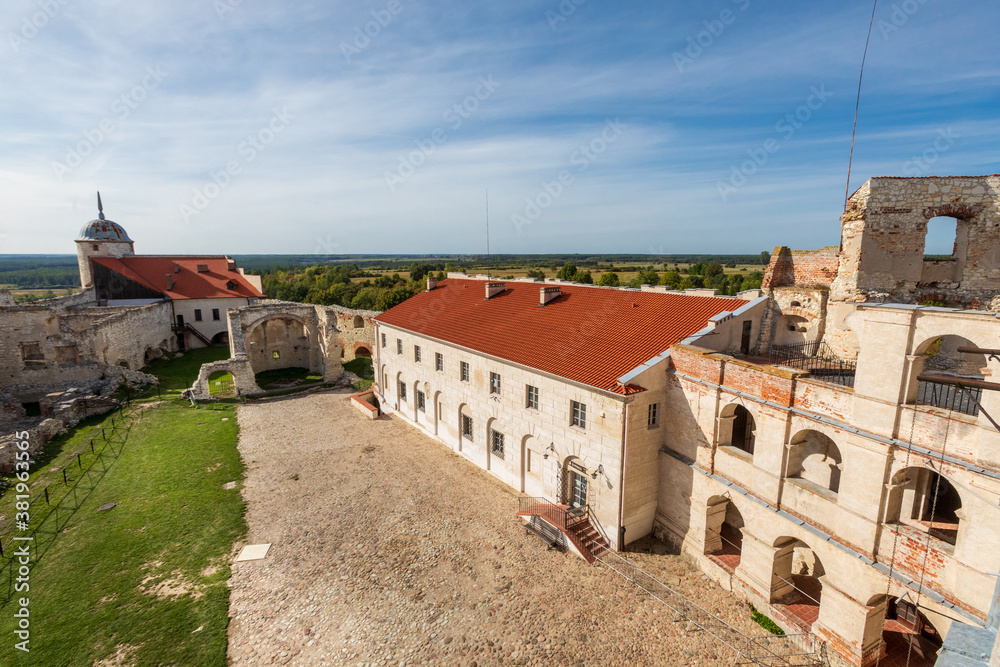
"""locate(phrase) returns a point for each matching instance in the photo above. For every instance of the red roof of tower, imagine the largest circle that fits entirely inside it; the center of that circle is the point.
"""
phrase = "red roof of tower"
(188, 283)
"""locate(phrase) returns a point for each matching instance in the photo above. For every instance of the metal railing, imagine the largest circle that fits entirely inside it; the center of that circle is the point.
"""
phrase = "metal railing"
(816, 358)
(950, 397)
(61, 495)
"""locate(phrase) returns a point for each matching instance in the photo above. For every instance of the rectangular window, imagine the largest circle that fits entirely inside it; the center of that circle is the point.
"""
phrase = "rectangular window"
(494, 383)
(416, 353)
(496, 444)
(532, 397)
(465, 371)
(215, 313)
(31, 352)
(383, 340)
(402, 391)
(399, 346)
(421, 402)
(467, 427)
(438, 361)
(653, 416)
(579, 411)
(197, 314)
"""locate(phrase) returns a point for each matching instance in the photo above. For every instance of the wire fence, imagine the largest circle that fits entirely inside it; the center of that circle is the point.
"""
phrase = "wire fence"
(43, 515)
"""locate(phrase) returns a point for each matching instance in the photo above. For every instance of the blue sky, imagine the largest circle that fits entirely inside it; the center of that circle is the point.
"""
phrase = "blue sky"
(241, 126)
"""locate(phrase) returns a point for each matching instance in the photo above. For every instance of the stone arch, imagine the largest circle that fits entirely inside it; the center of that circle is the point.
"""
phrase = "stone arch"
(797, 579)
(938, 355)
(362, 350)
(737, 427)
(359, 322)
(926, 500)
(724, 525)
(294, 338)
(814, 458)
(222, 384)
(436, 410)
(794, 329)
(221, 338)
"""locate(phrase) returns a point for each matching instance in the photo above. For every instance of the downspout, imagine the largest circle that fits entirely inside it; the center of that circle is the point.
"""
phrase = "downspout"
(621, 482)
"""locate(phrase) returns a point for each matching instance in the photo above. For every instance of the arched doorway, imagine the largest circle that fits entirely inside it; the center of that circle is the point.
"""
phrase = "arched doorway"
(796, 588)
(814, 459)
(363, 351)
(724, 532)
(926, 501)
(221, 338)
(737, 428)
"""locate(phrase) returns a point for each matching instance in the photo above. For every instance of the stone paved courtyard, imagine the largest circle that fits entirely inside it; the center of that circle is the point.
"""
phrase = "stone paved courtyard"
(389, 549)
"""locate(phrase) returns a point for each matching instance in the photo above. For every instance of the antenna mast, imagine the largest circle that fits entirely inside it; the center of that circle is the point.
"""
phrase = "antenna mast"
(488, 233)
(857, 105)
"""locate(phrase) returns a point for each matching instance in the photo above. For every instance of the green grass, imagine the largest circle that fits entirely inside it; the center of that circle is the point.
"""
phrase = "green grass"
(176, 375)
(173, 523)
(266, 379)
(765, 622)
(362, 367)
(222, 384)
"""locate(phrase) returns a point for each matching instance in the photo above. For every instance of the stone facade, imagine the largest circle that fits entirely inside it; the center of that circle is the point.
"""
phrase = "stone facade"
(55, 343)
(615, 454)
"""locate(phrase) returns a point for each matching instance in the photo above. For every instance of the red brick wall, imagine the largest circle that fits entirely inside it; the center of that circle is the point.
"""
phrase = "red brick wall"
(801, 267)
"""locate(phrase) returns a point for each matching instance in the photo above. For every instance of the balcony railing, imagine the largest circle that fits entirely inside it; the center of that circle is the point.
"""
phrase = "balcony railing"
(950, 397)
(817, 359)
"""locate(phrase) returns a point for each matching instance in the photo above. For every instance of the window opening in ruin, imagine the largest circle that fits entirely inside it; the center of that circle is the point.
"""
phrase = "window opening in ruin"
(32, 409)
(743, 430)
(942, 234)
(31, 352)
(359, 322)
(795, 304)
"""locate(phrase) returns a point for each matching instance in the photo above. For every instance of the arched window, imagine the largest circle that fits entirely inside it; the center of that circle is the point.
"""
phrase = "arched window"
(925, 500)
(815, 459)
(359, 322)
(737, 428)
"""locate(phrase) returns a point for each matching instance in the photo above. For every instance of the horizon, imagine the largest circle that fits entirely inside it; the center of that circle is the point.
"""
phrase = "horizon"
(649, 129)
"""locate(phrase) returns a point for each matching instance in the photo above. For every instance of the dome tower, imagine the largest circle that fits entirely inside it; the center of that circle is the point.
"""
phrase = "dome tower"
(100, 238)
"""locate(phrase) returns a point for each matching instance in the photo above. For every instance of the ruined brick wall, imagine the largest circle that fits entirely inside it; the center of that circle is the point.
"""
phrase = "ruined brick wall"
(357, 331)
(59, 341)
(884, 232)
(811, 268)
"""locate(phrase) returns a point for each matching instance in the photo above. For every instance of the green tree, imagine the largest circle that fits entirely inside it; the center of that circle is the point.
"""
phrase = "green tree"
(583, 277)
(671, 279)
(608, 280)
(566, 272)
(712, 269)
(765, 257)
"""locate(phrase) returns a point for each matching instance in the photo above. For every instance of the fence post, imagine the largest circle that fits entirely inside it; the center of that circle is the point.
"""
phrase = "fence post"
(65, 483)
(46, 495)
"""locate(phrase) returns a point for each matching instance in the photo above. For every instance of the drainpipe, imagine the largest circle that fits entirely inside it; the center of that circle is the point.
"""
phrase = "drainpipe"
(621, 483)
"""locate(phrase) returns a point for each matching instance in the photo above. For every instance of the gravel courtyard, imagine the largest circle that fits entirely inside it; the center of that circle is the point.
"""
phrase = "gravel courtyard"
(388, 549)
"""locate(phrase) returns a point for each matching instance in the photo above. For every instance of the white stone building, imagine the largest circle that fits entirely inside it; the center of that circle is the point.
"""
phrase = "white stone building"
(557, 389)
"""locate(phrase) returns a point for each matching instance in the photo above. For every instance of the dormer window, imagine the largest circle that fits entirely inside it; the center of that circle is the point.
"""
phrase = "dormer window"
(230, 285)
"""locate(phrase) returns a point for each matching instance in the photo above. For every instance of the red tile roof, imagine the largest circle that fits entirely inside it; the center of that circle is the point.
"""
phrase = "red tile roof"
(590, 335)
(151, 271)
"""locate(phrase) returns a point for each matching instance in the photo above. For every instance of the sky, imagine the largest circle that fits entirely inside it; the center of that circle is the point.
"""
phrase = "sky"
(399, 126)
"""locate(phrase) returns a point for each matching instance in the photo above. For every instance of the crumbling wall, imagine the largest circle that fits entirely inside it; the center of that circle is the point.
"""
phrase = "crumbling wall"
(357, 331)
(812, 268)
(243, 377)
(884, 231)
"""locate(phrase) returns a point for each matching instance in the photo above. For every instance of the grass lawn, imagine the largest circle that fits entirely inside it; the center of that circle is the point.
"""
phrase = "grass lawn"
(362, 367)
(221, 385)
(148, 576)
(267, 379)
(176, 375)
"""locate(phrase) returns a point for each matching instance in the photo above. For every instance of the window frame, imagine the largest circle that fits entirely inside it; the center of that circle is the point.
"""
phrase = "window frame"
(383, 341)
(653, 415)
(401, 390)
(215, 315)
(468, 427)
(399, 346)
(421, 401)
(438, 361)
(532, 400)
(495, 438)
(495, 383)
(578, 414)
(416, 354)
(464, 372)
(197, 315)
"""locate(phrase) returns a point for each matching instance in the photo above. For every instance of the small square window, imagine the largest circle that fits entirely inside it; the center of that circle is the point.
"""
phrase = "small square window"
(399, 346)
(467, 427)
(653, 415)
(579, 411)
(532, 401)
(416, 353)
(465, 371)
(215, 313)
(383, 340)
(421, 401)
(402, 391)
(438, 361)
(494, 383)
(197, 314)
(275, 355)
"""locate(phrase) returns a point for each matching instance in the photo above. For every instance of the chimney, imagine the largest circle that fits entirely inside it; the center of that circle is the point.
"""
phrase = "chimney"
(546, 294)
(177, 267)
(203, 268)
(170, 281)
(492, 289)
(230, 264)
(432, 282)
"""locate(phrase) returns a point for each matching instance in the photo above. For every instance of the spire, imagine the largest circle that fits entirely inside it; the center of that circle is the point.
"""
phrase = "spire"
(100, 206)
